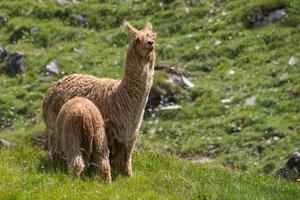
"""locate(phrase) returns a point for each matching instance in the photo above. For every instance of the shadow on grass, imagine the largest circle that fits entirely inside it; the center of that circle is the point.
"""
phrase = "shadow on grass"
(49, 165)
(52, 166)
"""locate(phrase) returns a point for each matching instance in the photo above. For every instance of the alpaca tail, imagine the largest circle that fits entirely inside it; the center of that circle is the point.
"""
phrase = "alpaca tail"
(76, 163)
(73, 143)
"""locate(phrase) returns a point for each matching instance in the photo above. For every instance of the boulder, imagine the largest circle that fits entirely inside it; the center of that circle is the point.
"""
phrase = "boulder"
(265, 16)
(15, 64)
(4, 143)
(291, 170)
(52, 68)
(3, 21)
(168, 86)
(293, 61)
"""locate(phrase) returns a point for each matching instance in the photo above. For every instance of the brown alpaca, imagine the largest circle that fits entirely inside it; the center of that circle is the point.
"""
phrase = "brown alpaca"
(80, 137)
(121, 103)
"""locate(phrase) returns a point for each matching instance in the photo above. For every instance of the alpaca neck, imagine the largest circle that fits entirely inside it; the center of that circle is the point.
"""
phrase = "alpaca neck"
(138, 76)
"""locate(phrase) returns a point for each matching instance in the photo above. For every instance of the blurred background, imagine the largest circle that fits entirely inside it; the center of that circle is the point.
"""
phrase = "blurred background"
(227, 81)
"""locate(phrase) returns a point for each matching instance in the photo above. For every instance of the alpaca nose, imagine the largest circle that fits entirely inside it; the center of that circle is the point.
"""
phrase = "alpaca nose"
(150, 43)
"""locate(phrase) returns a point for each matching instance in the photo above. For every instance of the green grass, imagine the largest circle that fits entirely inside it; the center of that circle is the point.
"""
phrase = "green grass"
(29, 173)
(204, 39)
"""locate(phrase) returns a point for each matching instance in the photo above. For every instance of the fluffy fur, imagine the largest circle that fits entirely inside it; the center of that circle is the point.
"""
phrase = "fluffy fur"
(80, 137)
(121, 103)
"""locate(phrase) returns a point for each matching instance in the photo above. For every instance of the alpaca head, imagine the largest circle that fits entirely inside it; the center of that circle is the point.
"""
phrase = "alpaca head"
(143, 40)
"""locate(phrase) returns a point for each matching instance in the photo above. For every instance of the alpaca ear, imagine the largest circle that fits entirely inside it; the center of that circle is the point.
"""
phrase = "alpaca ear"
(148, 26)
(130, 29)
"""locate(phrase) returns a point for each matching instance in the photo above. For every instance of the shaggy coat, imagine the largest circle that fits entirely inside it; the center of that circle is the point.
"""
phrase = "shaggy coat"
(80, 137)
(121, 103)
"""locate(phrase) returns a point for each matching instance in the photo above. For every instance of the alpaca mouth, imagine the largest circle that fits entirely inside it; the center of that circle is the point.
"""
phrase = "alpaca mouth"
(150, 48)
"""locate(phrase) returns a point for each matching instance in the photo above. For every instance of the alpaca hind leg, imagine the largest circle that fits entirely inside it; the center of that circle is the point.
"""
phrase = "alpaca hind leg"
(100, 157)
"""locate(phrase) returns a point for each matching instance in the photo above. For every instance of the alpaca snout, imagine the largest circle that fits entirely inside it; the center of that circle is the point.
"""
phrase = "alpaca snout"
(150, 45)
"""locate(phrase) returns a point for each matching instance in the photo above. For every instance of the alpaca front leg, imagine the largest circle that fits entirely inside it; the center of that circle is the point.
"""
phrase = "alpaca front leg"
(127, 158)
(121, 160)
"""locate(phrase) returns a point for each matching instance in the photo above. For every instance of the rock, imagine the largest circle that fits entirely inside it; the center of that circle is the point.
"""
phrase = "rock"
(266, 16)
(277, 15)
(187, 82)
(227, 100)
(62, 2)
(294, 162)
(230, 72)
(291, 170)
(52, 68)
(224, 14)
(3, 21)
(169, 82)
(202, 160)
(65, 2)
(293, 60)
(171, 107)
(3, 54)
(284, 77)
(250, 101)
(14, 64)
(80, 20)
(4, 143)
(218, 42)
(234, 128)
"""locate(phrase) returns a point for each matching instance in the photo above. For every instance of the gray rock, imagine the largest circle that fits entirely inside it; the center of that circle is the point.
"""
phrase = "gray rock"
(14, 64)
(250, 101)
(52, 68)
(62, 2)
(293, 60)
(4, 143)
(80, 20)
(187, 83)
(3, 21)
(291, 170)
(202, 160)
(276, 15)
(269, 17)
(174, 79)
(227, 100)
(171, 107)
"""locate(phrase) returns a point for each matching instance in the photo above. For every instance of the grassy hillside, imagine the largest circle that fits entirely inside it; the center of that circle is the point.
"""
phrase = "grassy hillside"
(35, 175)
(230, 57)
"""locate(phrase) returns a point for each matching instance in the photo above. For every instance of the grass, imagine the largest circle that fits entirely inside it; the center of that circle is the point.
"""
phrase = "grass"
(29, 173)
(207, 41)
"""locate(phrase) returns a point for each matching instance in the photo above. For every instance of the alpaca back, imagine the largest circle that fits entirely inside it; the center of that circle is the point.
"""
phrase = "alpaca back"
(94, 89)
(78, 123)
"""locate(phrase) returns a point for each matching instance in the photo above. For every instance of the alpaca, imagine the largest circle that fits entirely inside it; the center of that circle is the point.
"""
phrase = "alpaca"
(121, 103)
(80, 137)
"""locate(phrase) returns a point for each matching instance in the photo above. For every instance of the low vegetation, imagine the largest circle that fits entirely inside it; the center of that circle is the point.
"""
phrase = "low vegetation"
(242, 113)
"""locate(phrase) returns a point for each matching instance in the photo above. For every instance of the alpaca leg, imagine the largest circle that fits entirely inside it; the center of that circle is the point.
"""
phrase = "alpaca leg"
(76, 163)
(127, 158)
(121, 160)
(100, 157)
(51, 144)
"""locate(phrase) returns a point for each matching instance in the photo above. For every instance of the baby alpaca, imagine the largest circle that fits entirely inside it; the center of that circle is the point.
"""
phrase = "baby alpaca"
(121, 103)
(80, 137)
